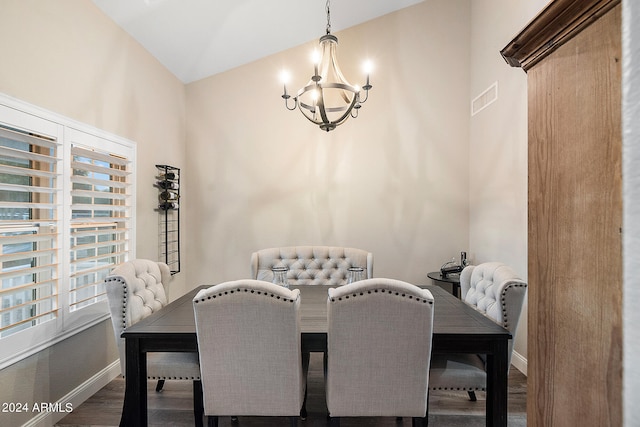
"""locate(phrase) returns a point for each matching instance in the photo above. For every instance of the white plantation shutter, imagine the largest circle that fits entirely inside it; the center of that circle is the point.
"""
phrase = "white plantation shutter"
(66, 219)
(99, 221)
(29, 227)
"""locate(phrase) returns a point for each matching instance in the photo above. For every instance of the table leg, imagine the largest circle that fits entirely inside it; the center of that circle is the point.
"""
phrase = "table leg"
(497, 385)
(134, 411)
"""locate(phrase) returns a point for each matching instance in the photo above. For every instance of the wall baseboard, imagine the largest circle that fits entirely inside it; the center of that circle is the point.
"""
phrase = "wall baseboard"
(519, 362)
(75, 397)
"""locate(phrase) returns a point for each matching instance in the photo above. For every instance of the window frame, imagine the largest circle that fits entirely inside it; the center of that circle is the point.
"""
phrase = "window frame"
(66, 132)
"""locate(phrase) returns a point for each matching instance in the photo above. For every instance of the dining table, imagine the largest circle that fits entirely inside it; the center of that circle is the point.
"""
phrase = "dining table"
(457, 328)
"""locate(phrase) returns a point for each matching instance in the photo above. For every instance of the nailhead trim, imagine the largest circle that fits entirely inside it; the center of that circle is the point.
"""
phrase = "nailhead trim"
(418, 299)
(503, 298)
(172, 378)
(459, 388)
(124, 327)
(124, 299)
(208, 297)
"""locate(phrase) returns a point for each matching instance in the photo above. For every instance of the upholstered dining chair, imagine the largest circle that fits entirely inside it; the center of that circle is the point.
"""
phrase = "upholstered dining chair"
(379, 350)
(135, 290)
(249, 344)
(311, 265)
(494, 289)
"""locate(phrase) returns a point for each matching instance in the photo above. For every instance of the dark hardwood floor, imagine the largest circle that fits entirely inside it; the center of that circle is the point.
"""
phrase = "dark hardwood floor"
(174, 406)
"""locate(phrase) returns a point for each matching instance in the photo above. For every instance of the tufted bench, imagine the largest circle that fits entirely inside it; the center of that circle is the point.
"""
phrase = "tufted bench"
(311, 265)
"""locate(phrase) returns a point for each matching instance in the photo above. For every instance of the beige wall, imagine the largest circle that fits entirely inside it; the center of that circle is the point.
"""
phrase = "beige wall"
(393, 181)
(69, 58)
(498, 145)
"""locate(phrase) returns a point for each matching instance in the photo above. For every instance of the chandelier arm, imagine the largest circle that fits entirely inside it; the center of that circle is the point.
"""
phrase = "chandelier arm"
(366, 96)
(295, 103)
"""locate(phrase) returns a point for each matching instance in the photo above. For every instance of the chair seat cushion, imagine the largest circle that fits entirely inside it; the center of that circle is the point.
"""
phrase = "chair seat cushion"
(457, 372)
(173, 366)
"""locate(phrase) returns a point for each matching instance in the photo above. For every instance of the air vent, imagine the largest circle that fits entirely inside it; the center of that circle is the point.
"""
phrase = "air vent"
(486, 98)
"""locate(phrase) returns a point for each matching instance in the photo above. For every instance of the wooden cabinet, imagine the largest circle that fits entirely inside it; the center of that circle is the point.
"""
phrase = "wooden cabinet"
(572, 55)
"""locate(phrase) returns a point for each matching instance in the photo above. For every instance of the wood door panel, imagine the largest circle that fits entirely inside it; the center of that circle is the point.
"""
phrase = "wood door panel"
(575, 219)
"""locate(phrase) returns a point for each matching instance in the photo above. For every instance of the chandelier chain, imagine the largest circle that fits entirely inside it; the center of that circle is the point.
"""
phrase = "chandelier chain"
(328, 18)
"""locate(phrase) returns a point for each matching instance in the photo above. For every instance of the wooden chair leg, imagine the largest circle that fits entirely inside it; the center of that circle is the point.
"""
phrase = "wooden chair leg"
(472, 396)
(159, 386)
(212, 421)
(325, 362)
(334, 421)
(198, 404)
(305, 369)
(293, 421)
(303, 410)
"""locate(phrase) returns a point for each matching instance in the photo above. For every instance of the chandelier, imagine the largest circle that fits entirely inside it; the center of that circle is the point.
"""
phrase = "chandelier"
(328, 99)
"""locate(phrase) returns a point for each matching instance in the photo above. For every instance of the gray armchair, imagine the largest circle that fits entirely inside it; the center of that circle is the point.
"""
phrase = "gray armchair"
(249, 344)
(135, 290)
(311, 265)
(379, 350)
(495, 290)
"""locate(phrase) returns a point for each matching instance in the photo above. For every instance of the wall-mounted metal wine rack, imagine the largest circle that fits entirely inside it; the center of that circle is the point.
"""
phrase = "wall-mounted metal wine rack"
(168, 183)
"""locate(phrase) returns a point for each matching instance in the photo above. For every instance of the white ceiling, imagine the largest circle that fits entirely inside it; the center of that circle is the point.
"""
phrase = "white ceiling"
(198, 38)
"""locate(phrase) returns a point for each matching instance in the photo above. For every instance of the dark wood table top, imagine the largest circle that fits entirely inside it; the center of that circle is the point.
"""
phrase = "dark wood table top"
(451, 316)
(457, 328)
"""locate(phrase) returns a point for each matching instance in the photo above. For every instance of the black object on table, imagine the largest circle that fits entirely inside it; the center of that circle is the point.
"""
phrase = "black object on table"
(453, 279)
(457, 328)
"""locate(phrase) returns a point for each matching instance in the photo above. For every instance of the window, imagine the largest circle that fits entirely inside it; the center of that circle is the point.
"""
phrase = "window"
(66, 209)
(98, 222)
(28, 230)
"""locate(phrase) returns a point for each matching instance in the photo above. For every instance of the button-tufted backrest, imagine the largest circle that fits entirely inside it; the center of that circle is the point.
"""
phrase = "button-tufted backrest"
(135, 289)
(311, 265)
(496, 290)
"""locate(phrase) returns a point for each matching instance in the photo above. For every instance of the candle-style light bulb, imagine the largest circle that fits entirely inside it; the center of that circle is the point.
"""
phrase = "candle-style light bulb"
(315, 57)
(368, 67)
(284, 77)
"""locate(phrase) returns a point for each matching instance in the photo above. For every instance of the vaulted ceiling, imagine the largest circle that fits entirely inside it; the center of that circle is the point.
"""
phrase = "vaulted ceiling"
(198, 38)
